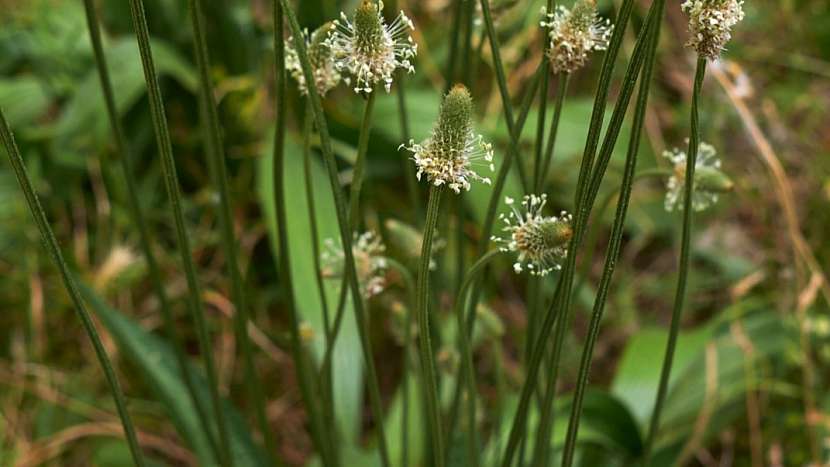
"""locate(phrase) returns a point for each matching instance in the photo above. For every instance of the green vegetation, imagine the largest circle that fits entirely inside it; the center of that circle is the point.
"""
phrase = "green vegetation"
(421, 233)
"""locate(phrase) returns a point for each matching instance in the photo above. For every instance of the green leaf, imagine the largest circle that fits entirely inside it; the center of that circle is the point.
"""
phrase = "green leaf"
(83, 126)
(157, 363)
(347, 362)
(23, 99)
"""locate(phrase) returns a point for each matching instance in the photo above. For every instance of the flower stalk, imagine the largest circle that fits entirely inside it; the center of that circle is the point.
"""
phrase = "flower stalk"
(683, 262)
(195, 306)
(345, 231)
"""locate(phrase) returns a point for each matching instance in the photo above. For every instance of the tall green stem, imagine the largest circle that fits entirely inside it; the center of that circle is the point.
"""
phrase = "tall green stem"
(586, 204)
(617, 231)
(301, 363)
(360, 161)
(138, 219)
(408, 169)
(564, 79)
(515, 131)
(171, 183)
(683, 264)
(562, 296)
(86, 319)
(422, 308)
(344, 228)
(216, 156)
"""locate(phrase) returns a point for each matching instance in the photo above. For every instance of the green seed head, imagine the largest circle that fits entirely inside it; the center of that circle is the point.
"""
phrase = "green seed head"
(368, 27)
(583, 15)
(454, 121)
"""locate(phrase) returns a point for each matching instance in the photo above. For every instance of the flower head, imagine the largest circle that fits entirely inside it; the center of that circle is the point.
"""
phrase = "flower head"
(540, 241)
(326, 75)
(709, 180)
(574, 34)
(447, 157)
(368, 50)
(710, 24)
(370, 263)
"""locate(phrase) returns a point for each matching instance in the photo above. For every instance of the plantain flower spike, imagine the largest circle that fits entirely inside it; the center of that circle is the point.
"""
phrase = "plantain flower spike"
(540, 242)
(367, 50)
(710, 24)
(368, 250)
(450, 154)
(574, 34)
(709, 180)
(326, 75)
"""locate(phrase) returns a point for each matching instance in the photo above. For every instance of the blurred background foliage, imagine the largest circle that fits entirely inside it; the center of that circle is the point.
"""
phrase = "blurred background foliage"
(750, 385)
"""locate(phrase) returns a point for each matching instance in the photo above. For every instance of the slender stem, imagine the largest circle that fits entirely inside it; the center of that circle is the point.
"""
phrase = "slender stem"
(308, 127)
(145, 238)
(591, 239)
(422, 308)
(562, 296)
(216, 155)
(515, 131)
(564, 80)
(308, 177)
(409, 286)
(466, 357)
(540, 132)
(171, 183)
(469, 17)
(683, 264)
(71, 287)
(617, 231)
(584, 212)
(344, 228)
(301, 362)
(449, 76)
(409, 169)
(360, 161)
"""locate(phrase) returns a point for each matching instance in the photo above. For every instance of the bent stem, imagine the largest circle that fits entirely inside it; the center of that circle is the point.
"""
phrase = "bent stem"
(422, 309)
(343, 226)
(171, 182)
(137, 216)
(216, 164)
(683, 264)
(613, 252)
(86, 319)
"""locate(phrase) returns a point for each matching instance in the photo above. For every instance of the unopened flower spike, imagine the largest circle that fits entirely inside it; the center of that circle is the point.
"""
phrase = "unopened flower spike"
(541, 242)
(368, 50)
(574, 34)
(450, 154)
(710, 24)
(326, 75)
(709, 180)
(368, 250)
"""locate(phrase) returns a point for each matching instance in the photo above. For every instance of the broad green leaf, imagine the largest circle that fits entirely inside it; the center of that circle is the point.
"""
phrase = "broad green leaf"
(157, 363)
(348, 360)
